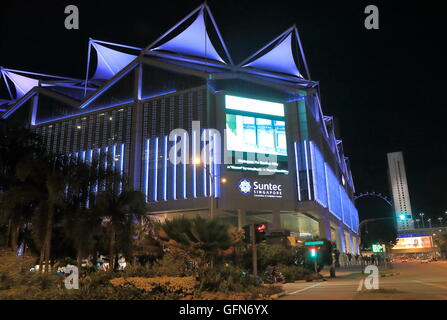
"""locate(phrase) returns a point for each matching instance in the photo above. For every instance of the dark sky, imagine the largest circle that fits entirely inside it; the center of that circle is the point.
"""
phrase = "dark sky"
(385, 86)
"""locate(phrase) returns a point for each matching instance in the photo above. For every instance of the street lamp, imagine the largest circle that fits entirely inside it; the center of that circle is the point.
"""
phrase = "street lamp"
(422, 217)
(440, 221)
(429, 222)
(417, 220)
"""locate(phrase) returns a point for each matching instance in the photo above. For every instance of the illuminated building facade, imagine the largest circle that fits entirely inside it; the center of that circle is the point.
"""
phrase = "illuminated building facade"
(258, 147)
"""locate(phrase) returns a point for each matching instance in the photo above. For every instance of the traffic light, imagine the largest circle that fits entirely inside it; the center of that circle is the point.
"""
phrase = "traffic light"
(247, 233)
(260, 230)
(313, 253)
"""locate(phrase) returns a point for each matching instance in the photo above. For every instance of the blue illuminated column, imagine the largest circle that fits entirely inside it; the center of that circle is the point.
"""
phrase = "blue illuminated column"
(205, 193)
(106, 154)
(113, 157)
(307, 170)
(165, 168)
(121, 165)
(185, 160)
(174, 170)
(194, 165)
(297, 169)
(156, 169)
(216, 161)
(146, 170)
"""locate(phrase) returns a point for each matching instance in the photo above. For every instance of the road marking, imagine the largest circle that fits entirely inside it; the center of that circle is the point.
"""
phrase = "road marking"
(431, 284)
(304, 289)
(360, 285)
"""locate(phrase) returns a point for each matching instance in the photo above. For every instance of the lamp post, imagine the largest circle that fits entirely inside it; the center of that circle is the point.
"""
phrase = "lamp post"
(417, 225)
(429, 222)
(440, 221)
(422, 217)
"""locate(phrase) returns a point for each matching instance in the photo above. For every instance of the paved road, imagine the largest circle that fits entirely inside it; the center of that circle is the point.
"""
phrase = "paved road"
(415, 281)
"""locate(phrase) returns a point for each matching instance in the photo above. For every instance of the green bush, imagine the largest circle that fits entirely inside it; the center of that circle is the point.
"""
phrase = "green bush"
(226, 279)
(293, 273)
(272, 255)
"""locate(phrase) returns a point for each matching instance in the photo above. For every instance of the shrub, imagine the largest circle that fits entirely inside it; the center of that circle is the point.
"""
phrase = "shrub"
(272, 255)
(175, 287)
(293, 273)
(226, 279)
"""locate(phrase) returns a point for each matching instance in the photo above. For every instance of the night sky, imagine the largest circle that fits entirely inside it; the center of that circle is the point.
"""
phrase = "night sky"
(383, 85)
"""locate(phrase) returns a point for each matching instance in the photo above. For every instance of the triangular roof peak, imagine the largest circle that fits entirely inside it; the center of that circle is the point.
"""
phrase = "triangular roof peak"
(192, 38)
(283, 55)
(110, 61)
(23, 83)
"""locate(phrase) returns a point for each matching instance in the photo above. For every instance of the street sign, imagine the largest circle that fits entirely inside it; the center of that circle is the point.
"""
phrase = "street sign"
(376, 248)
(314, 243)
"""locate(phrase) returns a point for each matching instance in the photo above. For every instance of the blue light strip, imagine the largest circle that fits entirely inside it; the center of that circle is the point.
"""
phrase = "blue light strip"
(184, 164)
(165, 168)
(108, 85)
(158, 94)
(98, 150)
(307, 170)
(297, 172)
(194, 167)
(156, 170)
(146, 175)
(18, 104)
(211, 173)
(204, 172)
(216, 173)
(121, 166)
(329, 202)
(113, 156)
(174, 170)
(314, 171)
(89, 161)
(83, 156)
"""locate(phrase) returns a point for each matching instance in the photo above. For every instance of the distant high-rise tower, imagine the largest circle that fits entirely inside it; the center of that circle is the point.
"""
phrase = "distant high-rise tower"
(399, 188)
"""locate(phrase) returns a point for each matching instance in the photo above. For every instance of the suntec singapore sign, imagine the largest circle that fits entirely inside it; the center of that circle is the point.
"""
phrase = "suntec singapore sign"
(260, 189)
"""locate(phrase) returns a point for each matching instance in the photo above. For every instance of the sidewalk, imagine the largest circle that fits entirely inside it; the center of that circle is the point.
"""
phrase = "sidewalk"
(352, 271)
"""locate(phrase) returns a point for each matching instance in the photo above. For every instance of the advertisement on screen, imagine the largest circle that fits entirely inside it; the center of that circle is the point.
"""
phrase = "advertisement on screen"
(423, 242)
(256, 135)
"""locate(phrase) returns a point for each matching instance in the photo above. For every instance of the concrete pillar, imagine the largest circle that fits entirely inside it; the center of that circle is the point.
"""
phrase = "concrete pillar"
(136, 133)
(276, 219)
(325, 226)
(241, 218)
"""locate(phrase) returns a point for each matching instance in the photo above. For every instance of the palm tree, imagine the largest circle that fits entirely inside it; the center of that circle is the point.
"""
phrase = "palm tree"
(17, 145)
(209, 236)
(120, 210)
(17, 209)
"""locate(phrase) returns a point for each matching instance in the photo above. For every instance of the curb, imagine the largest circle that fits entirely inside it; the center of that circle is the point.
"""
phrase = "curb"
(278, 295)
(390, 274)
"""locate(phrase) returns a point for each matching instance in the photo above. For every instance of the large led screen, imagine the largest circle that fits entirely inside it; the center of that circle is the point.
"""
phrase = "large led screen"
(414, 243)
(255, 134)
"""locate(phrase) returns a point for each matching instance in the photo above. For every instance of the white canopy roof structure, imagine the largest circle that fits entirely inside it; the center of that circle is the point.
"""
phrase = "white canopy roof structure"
(278, 56)
(110, 61)
(23, 84)
(194, 41)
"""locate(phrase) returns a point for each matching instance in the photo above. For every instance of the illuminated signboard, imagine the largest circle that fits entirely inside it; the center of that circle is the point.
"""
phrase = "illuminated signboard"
(376, 248)
(259, 189)
(256, 135)
(414, 243)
